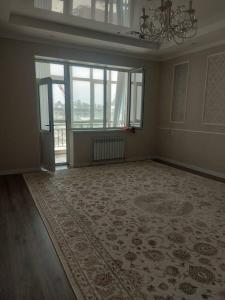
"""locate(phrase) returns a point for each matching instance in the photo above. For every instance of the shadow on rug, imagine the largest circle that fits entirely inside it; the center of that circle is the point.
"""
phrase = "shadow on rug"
(136, 231)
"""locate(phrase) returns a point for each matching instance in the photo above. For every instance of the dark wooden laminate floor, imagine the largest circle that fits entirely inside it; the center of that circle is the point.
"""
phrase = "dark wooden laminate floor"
(29, 266)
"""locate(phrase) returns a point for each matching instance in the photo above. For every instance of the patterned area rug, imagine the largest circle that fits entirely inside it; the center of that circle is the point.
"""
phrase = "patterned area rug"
(136, 231)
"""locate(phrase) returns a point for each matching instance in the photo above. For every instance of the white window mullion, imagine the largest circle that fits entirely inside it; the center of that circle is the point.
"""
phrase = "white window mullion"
(105, 99)
(92, 100)
(109, 96)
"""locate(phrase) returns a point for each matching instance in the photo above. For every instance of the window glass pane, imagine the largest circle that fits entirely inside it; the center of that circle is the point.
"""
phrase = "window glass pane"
(58, 91)
(42, 70)
(136, 99)
(88, 98)
(81, 103)
(55, 71)
(81, 72)
(44, 108)
(98, 74)
(114, 75)
(139, 77)
(116, 110)
(98, 105)
(139, 103)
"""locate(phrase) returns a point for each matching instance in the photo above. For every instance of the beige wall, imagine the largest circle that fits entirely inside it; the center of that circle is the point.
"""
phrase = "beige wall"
(191, 143)
(19, 140)
(19, 134)
(140, 145)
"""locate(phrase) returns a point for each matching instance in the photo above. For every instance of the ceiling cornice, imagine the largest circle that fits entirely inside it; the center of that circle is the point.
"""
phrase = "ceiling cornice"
(80, 31)
(188, 52)
(50, 42)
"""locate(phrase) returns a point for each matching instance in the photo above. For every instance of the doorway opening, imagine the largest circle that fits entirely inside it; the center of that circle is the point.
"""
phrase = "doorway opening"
(56, 135)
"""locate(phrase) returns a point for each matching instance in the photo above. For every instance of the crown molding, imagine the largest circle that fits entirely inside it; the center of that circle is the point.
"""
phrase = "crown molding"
(147, 59)
(164, 58)
(81, 32)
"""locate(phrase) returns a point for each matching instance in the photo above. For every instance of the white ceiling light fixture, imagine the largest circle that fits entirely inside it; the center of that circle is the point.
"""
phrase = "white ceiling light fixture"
(168, 22)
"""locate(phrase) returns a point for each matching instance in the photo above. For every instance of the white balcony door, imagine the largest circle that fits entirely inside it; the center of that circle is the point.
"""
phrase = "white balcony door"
(46, 124)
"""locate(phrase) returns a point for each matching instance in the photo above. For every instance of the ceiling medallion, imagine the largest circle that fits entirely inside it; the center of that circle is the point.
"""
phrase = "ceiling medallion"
(168, 23)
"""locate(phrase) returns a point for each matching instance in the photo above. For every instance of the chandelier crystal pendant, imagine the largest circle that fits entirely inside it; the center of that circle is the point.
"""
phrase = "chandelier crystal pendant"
(167, 23)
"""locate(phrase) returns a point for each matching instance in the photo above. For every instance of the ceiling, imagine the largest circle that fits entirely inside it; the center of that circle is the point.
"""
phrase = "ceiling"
(79, 26)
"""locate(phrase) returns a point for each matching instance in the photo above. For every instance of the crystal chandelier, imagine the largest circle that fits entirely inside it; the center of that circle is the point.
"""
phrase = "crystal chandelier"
(167, 23)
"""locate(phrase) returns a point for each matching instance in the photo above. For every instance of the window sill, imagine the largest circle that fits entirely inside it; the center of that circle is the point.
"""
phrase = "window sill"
(94, 130)
(98, 130)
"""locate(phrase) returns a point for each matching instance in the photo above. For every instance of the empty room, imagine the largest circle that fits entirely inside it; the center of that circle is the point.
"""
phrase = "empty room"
(112, 149)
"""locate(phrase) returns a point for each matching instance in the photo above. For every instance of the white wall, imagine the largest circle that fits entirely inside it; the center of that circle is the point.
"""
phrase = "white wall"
(192, 143)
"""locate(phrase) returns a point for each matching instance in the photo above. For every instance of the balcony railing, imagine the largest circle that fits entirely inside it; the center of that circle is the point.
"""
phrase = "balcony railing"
(60, 136)
(60, 131)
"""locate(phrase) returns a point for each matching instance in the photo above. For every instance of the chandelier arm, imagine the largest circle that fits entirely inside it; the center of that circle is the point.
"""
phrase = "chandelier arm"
(167, 23)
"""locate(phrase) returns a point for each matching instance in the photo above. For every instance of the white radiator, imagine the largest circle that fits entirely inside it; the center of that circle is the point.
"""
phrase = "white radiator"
(108, 148)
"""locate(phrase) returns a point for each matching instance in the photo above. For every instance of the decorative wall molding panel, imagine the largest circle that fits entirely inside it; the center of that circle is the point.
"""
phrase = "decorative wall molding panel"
(214, 101)
(179, 96)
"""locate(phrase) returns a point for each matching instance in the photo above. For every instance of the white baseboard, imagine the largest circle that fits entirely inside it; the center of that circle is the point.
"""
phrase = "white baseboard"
(192, 167)
(19, 171)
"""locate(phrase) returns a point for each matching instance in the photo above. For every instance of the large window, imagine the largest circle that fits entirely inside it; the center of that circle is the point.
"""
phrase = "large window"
(99, 97)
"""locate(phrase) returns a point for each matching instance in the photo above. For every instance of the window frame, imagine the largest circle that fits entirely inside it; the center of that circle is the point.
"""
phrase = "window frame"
(130, 124)
(92, 97)
(105, 69)
(111, 81)
(68, 85)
